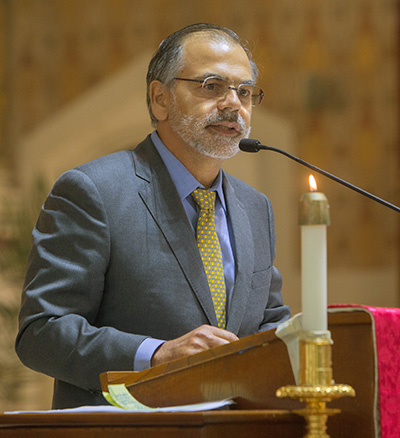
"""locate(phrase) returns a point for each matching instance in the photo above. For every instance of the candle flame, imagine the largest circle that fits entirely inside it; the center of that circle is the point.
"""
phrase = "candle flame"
(312, 183)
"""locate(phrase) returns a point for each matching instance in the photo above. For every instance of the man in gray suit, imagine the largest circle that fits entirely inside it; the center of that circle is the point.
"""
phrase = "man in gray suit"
(115, 279)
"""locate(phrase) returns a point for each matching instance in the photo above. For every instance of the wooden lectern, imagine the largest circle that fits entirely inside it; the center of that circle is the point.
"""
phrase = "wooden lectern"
(252, 369)
(249, 371)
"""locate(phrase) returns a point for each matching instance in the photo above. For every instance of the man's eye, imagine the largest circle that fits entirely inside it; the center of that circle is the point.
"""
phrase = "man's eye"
(213, 86)
(209, 87)
(244, 92)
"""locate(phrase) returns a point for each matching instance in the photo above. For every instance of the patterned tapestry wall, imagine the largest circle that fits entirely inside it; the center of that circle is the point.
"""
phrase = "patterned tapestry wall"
(330, 67)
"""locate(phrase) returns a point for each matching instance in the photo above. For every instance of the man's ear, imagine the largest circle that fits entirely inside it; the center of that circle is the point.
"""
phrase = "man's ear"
(159, 99)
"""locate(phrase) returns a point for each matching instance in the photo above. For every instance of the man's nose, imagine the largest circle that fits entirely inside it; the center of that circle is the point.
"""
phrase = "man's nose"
(230, 100)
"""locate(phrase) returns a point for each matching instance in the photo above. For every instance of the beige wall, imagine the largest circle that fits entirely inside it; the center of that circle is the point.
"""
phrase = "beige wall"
(329, 70)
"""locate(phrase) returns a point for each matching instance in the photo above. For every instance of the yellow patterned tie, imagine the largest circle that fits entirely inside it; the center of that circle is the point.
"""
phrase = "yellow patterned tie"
(210, 251)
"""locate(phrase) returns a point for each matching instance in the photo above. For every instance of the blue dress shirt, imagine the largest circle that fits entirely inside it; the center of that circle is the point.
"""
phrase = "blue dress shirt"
(185, 184)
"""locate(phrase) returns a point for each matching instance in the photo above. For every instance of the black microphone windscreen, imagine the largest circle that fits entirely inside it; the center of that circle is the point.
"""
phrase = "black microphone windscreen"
(249, 145)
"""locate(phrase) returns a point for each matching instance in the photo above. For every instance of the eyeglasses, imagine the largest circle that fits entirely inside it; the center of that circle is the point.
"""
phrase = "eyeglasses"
(214, 88)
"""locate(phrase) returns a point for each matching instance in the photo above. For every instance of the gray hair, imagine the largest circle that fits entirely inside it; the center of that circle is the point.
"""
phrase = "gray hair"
(167, 61)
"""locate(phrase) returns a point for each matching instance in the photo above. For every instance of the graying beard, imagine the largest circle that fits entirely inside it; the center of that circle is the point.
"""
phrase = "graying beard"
(230, 148)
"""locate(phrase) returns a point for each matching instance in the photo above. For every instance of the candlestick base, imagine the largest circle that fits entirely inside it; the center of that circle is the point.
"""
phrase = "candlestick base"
(316, 386)
(315, 412)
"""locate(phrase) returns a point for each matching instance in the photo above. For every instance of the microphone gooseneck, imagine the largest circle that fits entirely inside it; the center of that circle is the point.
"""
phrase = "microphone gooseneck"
(251, 145)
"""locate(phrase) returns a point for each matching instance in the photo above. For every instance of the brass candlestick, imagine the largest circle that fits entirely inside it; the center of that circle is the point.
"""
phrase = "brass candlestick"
(316, 386)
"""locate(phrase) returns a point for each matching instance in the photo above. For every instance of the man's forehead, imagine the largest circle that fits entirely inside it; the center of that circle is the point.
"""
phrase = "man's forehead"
(202, 49)
(210, 39)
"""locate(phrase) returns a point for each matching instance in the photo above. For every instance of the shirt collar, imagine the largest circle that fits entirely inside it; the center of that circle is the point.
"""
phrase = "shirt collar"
(183, 180)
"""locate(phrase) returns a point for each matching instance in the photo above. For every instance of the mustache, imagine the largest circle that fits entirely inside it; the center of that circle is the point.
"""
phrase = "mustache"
(223, 116)
(226, 116)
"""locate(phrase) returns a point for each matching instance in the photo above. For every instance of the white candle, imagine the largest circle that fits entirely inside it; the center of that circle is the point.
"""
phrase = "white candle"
(313, 219)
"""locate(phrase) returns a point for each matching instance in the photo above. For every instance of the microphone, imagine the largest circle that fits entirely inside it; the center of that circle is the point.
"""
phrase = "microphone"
(251, 145)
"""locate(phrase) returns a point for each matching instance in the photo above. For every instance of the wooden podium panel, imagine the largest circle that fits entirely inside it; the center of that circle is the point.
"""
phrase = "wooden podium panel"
(243, 370)
(252, 369)
(355, 363)
(213, 424)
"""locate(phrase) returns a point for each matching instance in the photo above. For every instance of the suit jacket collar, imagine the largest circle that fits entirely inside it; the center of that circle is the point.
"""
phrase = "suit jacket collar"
(162, 200)
(244, 247)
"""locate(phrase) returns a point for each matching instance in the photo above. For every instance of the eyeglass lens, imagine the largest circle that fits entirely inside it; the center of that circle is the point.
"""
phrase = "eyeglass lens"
(248, 94)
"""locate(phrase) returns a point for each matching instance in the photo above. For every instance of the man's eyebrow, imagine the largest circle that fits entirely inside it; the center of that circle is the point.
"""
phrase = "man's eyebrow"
(249, 82)
(211, 75)
(222, 78)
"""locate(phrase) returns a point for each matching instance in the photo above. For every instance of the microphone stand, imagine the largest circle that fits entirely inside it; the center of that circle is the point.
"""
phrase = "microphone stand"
(251, 145)
(315, 384)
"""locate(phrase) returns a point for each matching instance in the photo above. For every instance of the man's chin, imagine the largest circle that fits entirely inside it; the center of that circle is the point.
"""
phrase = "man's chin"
(219, 152)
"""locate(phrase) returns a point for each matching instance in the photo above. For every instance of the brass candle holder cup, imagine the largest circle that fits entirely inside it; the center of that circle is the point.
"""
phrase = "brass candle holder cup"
(316, 387)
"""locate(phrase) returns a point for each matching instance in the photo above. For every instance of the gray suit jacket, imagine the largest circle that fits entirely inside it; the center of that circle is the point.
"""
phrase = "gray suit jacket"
(115, 260)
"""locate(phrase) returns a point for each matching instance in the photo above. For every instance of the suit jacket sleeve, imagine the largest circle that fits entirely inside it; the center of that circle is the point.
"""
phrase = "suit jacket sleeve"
(63, 290)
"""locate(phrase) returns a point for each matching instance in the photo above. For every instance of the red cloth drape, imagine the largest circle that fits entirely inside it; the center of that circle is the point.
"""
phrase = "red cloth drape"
(387, 331)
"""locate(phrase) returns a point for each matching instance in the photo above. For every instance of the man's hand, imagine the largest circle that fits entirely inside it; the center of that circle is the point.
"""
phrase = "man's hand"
(200, 339)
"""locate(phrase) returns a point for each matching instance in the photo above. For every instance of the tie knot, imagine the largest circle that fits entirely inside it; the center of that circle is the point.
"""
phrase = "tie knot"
(204, 199)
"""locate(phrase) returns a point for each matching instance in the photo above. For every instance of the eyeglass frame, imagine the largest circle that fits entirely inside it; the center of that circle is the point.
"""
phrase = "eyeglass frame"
(229, 87)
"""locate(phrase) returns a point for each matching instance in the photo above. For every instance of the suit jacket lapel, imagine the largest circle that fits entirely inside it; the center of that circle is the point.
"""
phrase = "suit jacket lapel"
(244, 250)
(162, 200)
